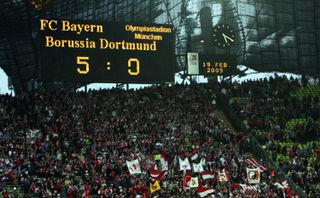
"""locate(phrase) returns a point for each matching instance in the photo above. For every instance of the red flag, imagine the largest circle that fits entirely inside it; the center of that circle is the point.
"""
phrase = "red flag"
(157, 175)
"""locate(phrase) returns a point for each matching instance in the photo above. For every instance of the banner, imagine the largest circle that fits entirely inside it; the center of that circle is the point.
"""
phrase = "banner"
(155, 186)
(134, 167)
(252, 163)
(184, 164)
(197, 168)
(223, 176)
(194, 182)
(207, 175)
(204, 191)
(253, 175)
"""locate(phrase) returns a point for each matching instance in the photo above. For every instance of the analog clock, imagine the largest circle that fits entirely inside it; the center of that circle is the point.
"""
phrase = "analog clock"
(223, 35)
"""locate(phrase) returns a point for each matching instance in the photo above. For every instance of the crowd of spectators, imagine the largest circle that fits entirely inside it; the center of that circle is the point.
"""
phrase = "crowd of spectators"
(65, 144)
(287, 126)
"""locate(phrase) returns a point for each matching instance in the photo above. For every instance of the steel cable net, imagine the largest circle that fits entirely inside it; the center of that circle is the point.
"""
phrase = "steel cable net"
(281, 35)
(272, 35)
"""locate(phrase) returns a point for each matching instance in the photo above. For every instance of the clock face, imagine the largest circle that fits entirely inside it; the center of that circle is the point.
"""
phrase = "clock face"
(223, 35)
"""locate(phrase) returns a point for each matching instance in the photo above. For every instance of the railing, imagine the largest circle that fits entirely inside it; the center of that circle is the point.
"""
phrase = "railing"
(252, 143)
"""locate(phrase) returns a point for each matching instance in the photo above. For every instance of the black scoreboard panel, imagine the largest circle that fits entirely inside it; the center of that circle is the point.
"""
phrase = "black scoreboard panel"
(84, 51)
(215, 64)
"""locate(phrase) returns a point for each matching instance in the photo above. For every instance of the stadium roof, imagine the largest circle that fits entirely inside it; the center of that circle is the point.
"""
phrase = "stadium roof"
(273, 35)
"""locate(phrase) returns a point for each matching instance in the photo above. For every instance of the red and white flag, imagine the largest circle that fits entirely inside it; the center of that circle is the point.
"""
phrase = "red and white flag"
(157, 175)
(134, 167)
(206, 175)
(287, 192)
(194, 155)
(184, 164)
(248, 187)
(252, 163)
(223, 175)
(164, 161)
(283, 185)
(204, 191)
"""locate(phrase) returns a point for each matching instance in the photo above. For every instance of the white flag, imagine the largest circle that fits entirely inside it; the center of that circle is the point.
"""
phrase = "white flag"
(197, 168)
(164, 164)
(134, 166)
(194, 182)
(203, 161)
(184, 164)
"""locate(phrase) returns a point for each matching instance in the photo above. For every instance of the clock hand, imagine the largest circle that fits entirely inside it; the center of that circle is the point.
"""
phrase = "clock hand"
(227, 37)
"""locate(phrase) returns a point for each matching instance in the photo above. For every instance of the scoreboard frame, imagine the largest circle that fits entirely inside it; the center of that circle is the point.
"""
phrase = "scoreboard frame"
(86, 51)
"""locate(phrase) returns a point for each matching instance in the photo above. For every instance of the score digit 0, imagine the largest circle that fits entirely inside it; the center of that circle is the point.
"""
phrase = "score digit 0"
(137, 62)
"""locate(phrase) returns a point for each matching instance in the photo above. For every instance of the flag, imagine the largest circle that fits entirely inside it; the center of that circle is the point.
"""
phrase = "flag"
(194, 182)
(186, 181)
(206, 175)
(194, 155)
(283, 185)
(184, 164)
(203, 161)
(197, 168)
(248, 187)
(155, 186)
(287, 192)
(223, 176)
(164, 161)
(204, 191)
(149, 166)
(157, 157)
(134, 166)
(252, 163)
(157, 175)
(253, 175)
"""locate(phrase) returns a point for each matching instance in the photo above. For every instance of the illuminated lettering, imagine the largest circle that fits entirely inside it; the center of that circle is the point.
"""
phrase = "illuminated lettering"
(137, 62)
(161, 29)
(123, 45)
(83, 60)
(131, 46)
(51, 42)
(51, 23)
(79, 28)
(147, 37)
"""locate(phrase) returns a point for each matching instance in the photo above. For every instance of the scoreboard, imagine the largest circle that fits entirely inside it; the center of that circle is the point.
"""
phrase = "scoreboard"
(82, 51)
(210, 64)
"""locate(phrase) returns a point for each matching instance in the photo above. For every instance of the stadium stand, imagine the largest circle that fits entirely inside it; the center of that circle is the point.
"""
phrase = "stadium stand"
(283, 114)
(160, 141)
